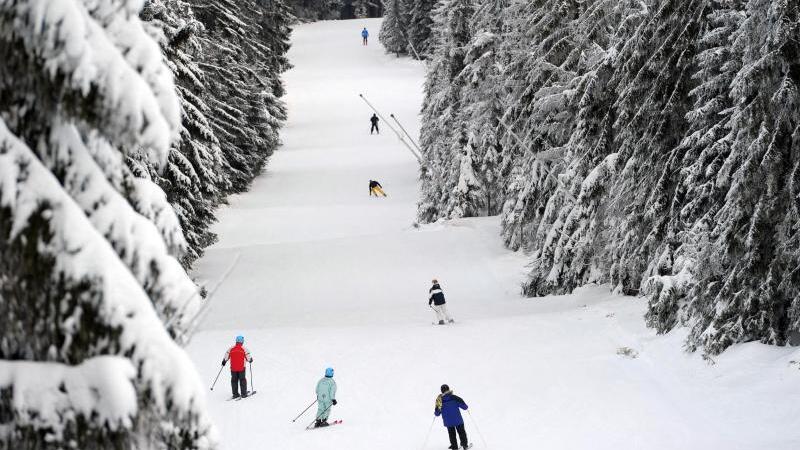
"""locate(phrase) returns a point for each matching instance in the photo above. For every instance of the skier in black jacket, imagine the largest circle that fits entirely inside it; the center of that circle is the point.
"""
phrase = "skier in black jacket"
(376, 188)
(374, 119)
(436, 301)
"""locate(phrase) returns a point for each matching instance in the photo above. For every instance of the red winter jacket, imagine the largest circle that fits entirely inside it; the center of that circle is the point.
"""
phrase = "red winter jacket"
(237, 355)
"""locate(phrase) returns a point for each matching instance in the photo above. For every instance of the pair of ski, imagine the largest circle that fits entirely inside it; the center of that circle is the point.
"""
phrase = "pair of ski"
(249, 394)
(468, 446)
(331, 423)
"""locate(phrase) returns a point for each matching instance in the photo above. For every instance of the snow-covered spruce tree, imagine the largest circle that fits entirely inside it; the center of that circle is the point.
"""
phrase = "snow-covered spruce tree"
(360, 8)
(700, 154)
(245, 114)
(483, 107)
(536, 52)
(552, 52)
(310, 10)
(597, 217)
(420, 22)
(442, 138)
(748, 273)
(193, 178)
(466, 197)
(88, 278)
(276, 27)
(392, 34)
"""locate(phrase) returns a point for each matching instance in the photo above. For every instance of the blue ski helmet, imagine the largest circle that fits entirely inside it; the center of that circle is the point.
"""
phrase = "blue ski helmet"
(240, 339)
(329, 372)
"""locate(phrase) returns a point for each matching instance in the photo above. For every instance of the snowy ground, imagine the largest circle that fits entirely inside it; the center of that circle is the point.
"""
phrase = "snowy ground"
(315, 273)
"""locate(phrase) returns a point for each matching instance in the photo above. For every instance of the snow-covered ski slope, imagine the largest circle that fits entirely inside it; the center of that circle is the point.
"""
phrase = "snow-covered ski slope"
(315, 273)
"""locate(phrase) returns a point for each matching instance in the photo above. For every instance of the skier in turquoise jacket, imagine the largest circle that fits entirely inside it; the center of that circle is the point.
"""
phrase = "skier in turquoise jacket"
(326, 398)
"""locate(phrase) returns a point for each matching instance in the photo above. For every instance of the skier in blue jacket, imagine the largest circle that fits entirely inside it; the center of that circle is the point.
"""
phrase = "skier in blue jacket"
(365, 35)
(448, 405)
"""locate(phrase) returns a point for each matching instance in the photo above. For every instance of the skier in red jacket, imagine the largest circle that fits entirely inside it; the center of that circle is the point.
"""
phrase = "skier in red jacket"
(238, 355)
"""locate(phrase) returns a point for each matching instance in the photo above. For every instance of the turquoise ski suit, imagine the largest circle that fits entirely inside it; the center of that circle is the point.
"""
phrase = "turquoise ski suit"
(326, 392)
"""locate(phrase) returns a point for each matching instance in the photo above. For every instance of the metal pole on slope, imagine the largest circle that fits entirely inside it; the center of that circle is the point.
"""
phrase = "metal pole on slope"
(399, 136)
(194, 322)
(406, 132)
(412, 46)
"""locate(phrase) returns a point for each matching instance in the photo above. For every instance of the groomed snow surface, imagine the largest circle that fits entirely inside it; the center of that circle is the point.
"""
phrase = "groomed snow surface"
(315, 273)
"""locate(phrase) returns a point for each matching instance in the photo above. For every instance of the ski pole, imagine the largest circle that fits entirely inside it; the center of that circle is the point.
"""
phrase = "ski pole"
(428, 436)
(252, 379)
(215, 379)
(304, 411)
(477, 429)
(317, 417)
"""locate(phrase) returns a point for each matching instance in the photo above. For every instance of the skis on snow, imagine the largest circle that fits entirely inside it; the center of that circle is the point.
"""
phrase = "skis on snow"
(331, 423)
(249, 394)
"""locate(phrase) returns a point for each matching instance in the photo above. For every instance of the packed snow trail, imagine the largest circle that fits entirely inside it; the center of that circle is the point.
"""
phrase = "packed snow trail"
(321, 274)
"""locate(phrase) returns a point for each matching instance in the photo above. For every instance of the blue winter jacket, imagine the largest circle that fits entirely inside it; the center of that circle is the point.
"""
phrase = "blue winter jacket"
(449, 410)
(364, 33)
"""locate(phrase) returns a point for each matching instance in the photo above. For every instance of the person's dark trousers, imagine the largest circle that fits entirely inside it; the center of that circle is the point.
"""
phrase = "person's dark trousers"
(238, 380)
(374, 128)
(462, 434)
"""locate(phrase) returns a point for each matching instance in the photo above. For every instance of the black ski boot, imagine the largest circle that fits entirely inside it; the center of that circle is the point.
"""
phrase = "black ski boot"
(441, 322)
(321, 423)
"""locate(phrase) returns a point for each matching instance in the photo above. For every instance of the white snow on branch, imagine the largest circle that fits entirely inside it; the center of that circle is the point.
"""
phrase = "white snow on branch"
(114, 57)
(135, 238)
(47, 395)
(82, 253)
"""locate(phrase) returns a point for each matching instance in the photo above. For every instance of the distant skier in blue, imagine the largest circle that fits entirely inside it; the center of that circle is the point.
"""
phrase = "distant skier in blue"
(448, 405)
(365, 35)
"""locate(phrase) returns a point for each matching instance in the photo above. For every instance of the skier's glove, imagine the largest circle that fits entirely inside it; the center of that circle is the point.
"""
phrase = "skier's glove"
(251, 360)
(223, 363)
(334, 401)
